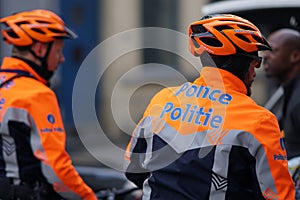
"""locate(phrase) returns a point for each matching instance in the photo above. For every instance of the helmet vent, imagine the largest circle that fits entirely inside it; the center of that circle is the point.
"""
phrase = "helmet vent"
(20, 23)
(246, 28)
(38, 31)
(257, 38)
(42, 22)
(242, 37)
(198, 29)
(12, 34)
(56, 31)
(211, 42)
(220, 28)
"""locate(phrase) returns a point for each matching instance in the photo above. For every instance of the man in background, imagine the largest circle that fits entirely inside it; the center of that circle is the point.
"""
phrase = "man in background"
(283, 63)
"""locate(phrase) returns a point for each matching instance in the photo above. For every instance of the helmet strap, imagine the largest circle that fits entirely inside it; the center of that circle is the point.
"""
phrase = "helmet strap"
(207, 60)
(43, 69)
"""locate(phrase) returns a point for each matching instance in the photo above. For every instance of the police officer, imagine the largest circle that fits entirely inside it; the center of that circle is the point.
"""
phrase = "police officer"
(33, 159)
(208, 139)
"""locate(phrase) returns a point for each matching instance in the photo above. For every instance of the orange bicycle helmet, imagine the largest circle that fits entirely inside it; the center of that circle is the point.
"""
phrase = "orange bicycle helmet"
(225, 34)
(36, 25)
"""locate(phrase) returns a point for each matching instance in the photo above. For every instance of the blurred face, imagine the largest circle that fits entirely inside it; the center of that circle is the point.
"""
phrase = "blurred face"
(276, 62)
(56, 56)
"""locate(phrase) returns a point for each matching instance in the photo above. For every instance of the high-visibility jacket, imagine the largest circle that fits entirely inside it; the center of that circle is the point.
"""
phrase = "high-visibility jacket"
(208, 140)
(32, 135)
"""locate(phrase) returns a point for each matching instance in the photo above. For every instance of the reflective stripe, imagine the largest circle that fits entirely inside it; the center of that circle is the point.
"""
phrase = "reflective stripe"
(8, 143)
(146, 190)
(220, 169)
(16, 114)
(10, 157)
(147, 134)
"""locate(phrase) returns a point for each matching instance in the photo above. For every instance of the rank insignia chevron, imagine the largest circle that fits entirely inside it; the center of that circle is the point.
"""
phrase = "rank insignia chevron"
(219, 182)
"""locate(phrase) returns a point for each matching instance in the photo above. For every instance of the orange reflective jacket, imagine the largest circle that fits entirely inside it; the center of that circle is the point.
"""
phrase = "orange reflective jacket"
(208, 140)
(32, 133)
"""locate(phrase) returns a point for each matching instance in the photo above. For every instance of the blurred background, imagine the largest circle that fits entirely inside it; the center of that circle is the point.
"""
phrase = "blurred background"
(97, 20)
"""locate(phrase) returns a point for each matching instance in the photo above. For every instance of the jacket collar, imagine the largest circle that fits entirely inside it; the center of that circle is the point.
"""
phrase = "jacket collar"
(219, 78)
(15, 63)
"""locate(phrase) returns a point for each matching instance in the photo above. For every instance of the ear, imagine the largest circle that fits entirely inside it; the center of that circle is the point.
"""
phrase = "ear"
(295, 56)
(39, 49)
